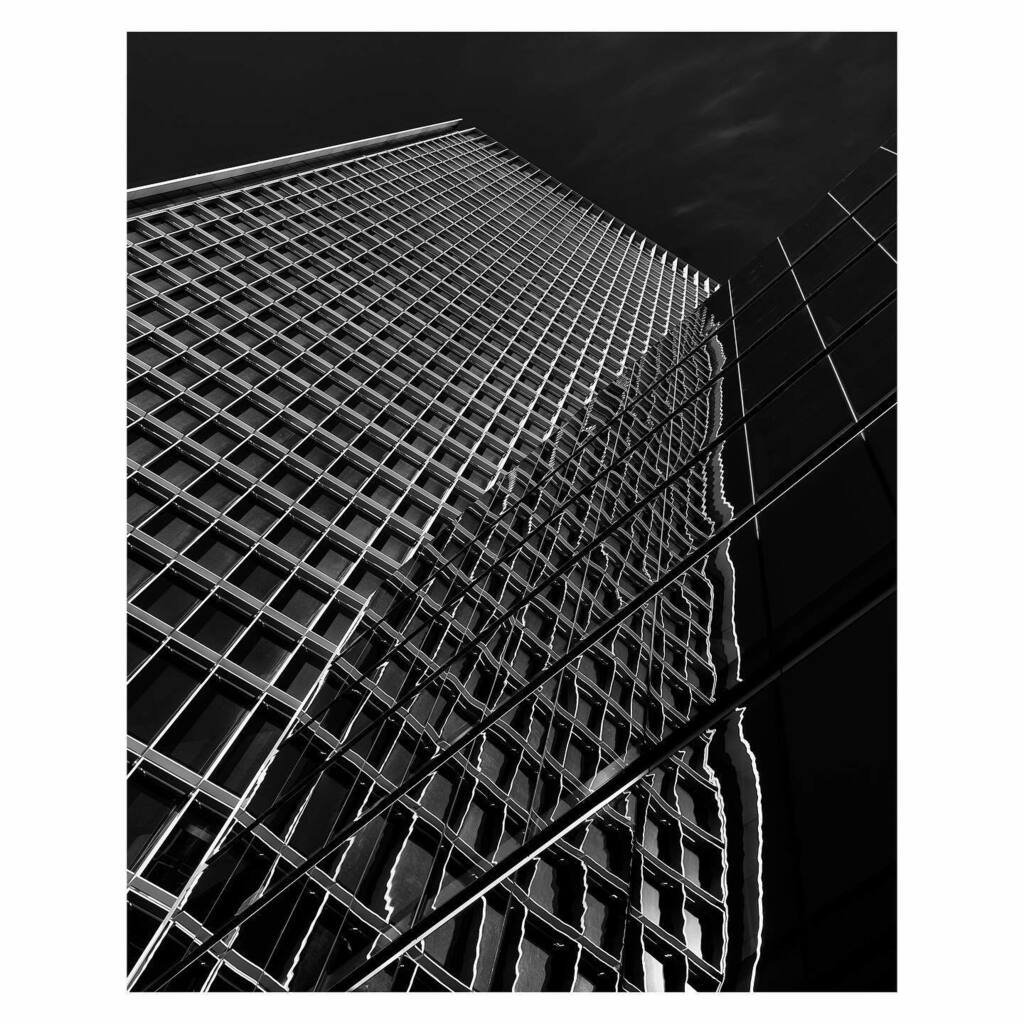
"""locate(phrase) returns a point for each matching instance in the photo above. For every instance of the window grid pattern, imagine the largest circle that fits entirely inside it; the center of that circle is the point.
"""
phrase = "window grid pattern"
(634, 898)
(315, 365)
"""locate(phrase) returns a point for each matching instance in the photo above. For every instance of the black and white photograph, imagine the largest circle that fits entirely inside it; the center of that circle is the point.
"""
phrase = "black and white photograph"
(485, 485)
(492, 564)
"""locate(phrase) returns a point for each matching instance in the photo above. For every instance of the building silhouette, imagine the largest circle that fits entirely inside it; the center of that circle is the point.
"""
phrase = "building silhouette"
(456, 570)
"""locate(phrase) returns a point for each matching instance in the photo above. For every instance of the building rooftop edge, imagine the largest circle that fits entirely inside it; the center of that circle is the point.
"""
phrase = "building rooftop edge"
(195, 181)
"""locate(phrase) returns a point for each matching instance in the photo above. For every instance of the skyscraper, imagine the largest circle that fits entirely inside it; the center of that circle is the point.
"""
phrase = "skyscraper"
(445, 488)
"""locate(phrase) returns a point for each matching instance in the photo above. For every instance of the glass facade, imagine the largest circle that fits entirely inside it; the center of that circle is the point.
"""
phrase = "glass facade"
(470, 535)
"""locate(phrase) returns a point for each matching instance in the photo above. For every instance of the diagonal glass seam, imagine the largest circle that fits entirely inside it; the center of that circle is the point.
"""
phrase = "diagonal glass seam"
(564, 567)
(817, 331)
(861, 226)
(743, 401)
(594, 802)
(598, 433)
(770, 496)
(469, 645)
(507, 554)
(606, 227)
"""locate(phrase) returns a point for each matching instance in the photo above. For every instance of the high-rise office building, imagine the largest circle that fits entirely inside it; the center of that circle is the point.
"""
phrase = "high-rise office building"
(445, 493)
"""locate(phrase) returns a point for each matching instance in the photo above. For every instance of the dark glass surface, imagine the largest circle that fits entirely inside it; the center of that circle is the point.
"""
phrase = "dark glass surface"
(201, 729)
(765, 311)
(866, 361)
(861, 183)
(877, 215)
(302, 671)
(881, 439)
(258, 576)
(807, 231)
(141, 567)
(254, 513)
(215, 490)
(175, 527)
(261, 651)
(216, 552)
(300, 601)
(151, 802)
(247, 751)
(181, 851)
(140, 647)
(217, 624)
(217, 439)
(170, 598)
(809, 576)
(334, 622)
(143, 921)
(330, 559)
(862, 286)
(791, 427)
(830, 256)
(791, 345)
(293, 536)
(825, 743)
(141, 501)
(755, 276)
(157, 692)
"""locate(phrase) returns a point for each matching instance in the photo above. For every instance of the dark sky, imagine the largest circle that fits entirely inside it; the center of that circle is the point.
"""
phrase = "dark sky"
(708, 143)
